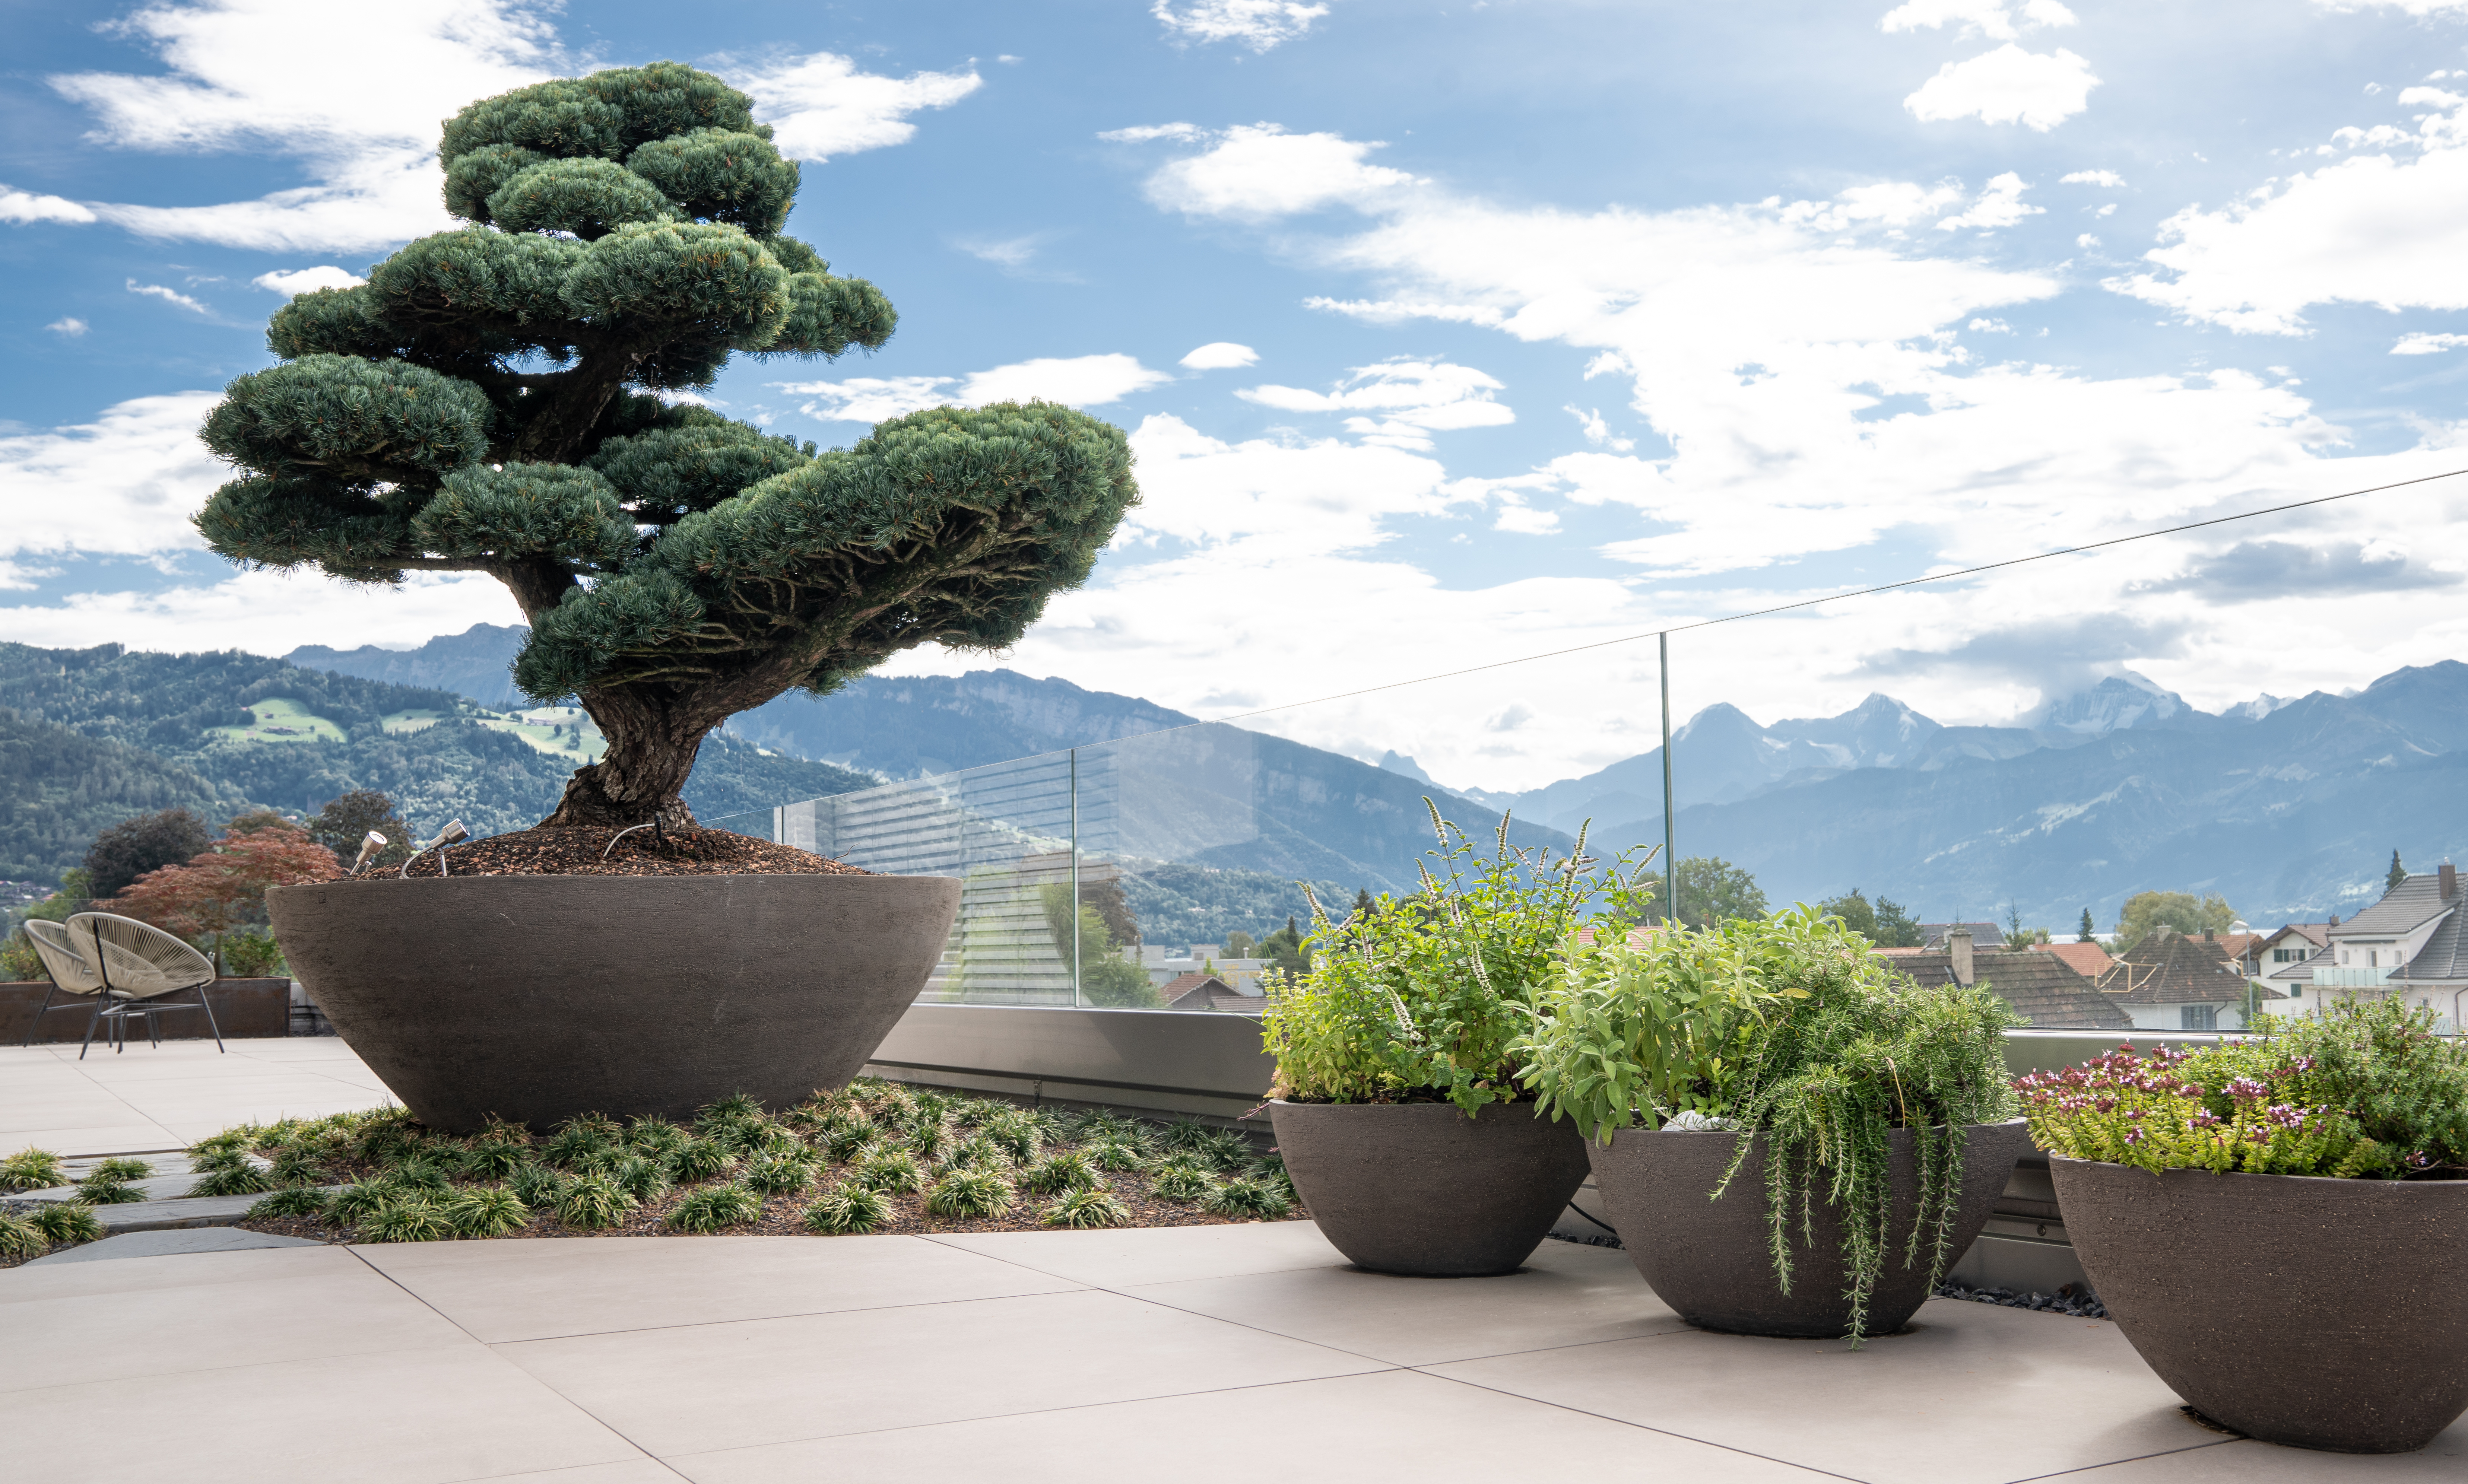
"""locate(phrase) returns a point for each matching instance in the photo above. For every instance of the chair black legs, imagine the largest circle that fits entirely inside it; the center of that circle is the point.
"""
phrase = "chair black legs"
(48, 991)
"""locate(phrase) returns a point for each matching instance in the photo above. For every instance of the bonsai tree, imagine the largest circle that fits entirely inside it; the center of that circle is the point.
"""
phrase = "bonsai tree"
(486, 402)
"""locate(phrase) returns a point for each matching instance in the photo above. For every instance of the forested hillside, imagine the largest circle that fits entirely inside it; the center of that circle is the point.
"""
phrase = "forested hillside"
(94, 736)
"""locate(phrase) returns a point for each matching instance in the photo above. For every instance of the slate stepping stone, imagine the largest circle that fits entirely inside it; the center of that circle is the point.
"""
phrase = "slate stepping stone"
(160, 1244)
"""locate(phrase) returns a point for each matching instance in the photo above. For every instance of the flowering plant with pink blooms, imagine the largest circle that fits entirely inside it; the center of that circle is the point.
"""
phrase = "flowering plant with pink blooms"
(2367, 1090)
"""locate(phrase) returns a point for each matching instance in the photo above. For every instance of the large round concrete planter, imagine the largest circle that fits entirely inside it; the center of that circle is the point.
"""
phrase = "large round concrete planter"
(1421, 1188)
(536, 997)
(2316, 1313)
(1709, 1259)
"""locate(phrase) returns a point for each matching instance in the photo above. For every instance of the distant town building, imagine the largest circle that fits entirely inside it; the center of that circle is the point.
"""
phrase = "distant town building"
(2087, 959)
(2407, 946)
(1207, 992)
(2171, 981)
(2042, 988)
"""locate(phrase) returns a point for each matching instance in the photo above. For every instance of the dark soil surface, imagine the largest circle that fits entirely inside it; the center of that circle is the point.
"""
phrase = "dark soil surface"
(591, 851)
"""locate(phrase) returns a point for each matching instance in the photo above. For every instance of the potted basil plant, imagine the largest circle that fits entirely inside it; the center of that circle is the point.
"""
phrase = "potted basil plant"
(1397, 1104)
(2290, 1207)
(1790, 1139)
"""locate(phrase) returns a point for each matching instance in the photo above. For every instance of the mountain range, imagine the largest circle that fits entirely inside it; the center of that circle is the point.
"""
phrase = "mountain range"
(2290, 808)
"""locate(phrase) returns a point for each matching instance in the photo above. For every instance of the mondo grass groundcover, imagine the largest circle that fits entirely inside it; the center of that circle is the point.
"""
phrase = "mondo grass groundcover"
(874, 1156)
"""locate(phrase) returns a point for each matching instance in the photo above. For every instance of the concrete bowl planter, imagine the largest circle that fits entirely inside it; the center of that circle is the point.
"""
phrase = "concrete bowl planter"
(1423, 1190)
(536, 997)
(2299, 1310)
(1709, 1259)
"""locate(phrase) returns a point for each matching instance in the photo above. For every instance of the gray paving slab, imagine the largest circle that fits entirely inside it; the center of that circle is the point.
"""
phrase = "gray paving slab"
(173, 1240)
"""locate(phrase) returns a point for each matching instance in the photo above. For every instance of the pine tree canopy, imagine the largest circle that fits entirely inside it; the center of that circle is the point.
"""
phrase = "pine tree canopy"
(485, 403)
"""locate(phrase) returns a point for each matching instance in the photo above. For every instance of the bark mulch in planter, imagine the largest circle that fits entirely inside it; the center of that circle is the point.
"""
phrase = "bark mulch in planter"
(588, 852)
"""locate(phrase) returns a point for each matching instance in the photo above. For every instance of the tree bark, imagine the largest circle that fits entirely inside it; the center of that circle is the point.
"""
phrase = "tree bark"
(639, 779)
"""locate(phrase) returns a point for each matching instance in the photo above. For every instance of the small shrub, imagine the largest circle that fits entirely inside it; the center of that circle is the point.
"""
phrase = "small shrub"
(1186, 1135)
(20, 1236)
(294, 1165)
(712, 1207)
(34, 1169)
(643, 1178)
(122, 1168)
(778, 1175)
(969, 1193)
(978, 1112)
(735, 1106)
(494, 1159)
(1095, 1124)
(852, 1140)
(234, 1138)
(250, 953)
(1056, 1174)
(978, 1152)
(697, 1160)
(205, 1157)
(422, 1172)
(931, 1140)
(591, 1202)
(245, 1178)
(500, 1131)
(487, 1211)
(1116, 1154)
(538, 1185)
(68, 1220)
(1269, 1170)
(356, 1202)
(99, 1191)
(1021, 1137)
(385, 1136)
(893, 1172)
(292, 1200)
(739, 1137)
(1251, 1199)
(846, 1208)
(1178, 1181)
(410, 1216)
(576, 1146)
(1086, 1208)
(654, 1137)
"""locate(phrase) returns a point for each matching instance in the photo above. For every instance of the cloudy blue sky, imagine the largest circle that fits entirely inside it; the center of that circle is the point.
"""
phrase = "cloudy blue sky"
(1445, 335)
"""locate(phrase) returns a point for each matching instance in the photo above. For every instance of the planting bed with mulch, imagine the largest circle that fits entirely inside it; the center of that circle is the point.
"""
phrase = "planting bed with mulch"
(597, 852)
(874, 1157)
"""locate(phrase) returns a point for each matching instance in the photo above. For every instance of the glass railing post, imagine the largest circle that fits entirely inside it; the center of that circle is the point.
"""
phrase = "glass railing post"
(1075, 877)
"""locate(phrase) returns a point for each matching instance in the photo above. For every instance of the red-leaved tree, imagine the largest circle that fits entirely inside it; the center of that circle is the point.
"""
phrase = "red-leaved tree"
(224, 887)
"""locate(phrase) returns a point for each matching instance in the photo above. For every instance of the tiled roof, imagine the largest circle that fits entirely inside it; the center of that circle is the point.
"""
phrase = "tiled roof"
(2444, 956)
(2087, 959)
(2170, 969)
(1982, 934)
(2041, 987)
(1207, 992)
(2315, 933)
(2237, 946)
(2403, 909)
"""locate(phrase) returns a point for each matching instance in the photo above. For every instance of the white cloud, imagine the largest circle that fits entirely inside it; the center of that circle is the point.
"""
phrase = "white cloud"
(1597, 431)
(300, 280)
(21, 206)
(1891, 203)
(1994, 327)
(267, 613)
(167, 296)
(1409, 400)
(2105, 179)
(1258, 24)
(1142, 133)
(2423, 344)
(2370, 229)
(820, 106)
(2085, 241)
(1079, 381)
(1011, 252)
(1220, 356)
(2008, 85)
(68, 325)
(123, 485)
(1264, 494)
(261, 76)
(1985, 17)
(1999, 205)
(1258, 171)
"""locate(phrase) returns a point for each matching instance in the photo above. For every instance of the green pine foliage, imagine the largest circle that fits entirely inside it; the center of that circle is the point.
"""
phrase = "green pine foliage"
(675, 567)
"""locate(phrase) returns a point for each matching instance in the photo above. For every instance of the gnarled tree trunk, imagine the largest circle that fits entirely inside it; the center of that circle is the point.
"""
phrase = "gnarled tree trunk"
(639, 779)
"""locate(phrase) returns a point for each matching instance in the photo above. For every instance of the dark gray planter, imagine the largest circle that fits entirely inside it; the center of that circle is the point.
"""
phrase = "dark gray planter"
(536, 997)
(1421, 1188)
(1709, 1259)
(2317, 1312)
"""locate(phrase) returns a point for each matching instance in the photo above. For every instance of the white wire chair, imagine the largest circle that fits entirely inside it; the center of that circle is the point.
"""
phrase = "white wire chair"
(71, 976)
(139, 965)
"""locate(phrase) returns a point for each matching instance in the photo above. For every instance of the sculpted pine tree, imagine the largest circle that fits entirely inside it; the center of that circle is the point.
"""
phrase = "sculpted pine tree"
(484, 404)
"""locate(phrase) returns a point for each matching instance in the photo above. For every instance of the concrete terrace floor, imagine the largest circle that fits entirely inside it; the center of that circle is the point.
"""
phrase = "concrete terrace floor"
(1216, 1353)
(151, 1098)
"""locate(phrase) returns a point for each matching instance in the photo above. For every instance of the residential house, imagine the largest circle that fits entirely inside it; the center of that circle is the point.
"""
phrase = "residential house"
(1164, 967)
(2173, 981)
(2042, 988)
(2408, 944)
(1207, 992)
(1934, 935)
